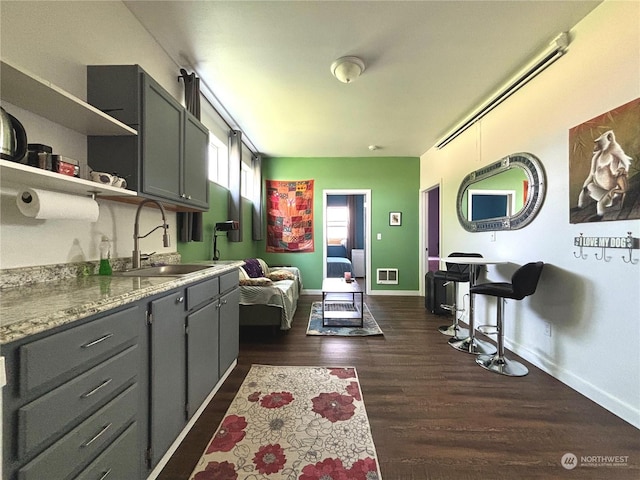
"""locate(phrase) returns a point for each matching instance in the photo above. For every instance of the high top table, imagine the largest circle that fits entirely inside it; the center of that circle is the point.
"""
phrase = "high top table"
(471, 344)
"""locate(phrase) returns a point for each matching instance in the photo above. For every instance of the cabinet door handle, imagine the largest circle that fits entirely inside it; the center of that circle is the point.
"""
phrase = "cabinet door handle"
(180, 299)
(188, 197)
(97, 341)
(105, 475)
(97, 435)
(95, 390)
(224, 302)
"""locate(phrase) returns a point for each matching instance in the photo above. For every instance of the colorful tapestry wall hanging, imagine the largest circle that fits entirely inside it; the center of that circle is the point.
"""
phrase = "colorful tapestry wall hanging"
(289, 216)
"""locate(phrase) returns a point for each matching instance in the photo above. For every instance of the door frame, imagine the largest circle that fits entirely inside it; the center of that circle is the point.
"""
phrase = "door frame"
(367, 229)
(424, 229)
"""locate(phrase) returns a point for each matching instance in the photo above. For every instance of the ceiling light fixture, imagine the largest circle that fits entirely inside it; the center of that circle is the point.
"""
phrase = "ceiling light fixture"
(373, 147)
(553, 52)
(347, 69)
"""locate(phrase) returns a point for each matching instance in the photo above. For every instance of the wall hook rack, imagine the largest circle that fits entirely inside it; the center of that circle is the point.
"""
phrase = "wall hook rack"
(604, 255)
(629, 242)
(578, 242)
(633, 243)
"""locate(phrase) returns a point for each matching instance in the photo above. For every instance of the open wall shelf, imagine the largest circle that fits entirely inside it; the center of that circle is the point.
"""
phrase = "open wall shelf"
(28, 91)
(19, 175)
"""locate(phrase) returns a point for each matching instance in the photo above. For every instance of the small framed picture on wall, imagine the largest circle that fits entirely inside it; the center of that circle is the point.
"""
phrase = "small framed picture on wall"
(395, 219)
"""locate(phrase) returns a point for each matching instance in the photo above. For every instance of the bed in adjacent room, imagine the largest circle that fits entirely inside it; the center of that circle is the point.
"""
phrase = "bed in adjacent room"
(337, 261)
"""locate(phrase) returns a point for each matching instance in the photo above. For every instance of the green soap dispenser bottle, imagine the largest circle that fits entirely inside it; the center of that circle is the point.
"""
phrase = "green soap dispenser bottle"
(105, 256)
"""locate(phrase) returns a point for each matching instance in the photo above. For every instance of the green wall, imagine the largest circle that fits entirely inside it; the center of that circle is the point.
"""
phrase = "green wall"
(218, 202)
(394, 183)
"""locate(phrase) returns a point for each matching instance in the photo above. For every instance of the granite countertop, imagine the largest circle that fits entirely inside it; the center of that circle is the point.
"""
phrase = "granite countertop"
(31, 309)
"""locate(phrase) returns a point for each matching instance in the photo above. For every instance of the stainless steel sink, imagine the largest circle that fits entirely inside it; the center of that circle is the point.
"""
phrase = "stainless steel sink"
(176, 270)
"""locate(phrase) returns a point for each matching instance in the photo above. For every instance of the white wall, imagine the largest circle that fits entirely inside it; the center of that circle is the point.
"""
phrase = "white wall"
(56, 41)
(592, 305)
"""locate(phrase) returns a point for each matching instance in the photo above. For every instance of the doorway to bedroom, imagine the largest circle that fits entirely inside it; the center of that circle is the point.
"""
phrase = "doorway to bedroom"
(346, 245)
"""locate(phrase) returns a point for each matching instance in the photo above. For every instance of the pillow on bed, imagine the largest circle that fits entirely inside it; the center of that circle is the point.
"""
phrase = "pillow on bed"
(276, 275)
(257, 282)
(253, 268)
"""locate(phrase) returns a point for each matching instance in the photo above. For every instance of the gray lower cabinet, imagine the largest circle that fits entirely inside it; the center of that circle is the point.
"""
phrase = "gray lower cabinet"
(168, 372)
(229, 329)
(106, 397)
(203, 338)
(192, 345)
(73, 394)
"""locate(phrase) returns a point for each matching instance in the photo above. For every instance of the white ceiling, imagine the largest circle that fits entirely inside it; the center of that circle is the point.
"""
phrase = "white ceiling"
(428, 63)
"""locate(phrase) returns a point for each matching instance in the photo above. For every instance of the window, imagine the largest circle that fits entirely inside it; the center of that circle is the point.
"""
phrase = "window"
(246, 181)
(337, 225)
(218, 161)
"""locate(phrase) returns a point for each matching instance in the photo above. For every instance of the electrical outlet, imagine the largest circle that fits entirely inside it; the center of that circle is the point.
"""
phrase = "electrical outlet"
(547, 329)
(492, 238)
(379, 236)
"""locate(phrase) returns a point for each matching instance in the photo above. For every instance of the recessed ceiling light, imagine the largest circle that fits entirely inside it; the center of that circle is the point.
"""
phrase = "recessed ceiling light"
(374, 147)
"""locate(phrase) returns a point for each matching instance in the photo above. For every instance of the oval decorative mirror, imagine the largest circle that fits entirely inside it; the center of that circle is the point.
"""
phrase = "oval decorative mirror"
(505, 195)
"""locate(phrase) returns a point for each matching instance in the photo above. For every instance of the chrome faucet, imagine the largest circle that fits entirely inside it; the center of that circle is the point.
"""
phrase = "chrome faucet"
(135, 259)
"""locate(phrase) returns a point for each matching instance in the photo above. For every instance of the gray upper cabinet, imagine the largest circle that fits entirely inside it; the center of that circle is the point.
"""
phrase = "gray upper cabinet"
(196, 165)
(162, 120)
(168, 160)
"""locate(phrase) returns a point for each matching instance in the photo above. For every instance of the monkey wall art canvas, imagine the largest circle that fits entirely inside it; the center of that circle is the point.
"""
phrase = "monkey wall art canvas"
(604, 166)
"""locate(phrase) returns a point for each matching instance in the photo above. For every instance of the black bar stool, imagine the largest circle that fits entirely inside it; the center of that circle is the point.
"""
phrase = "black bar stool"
(456, 273)
(523, 283)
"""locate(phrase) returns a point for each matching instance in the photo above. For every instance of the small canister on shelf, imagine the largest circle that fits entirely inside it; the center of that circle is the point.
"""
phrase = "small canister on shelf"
(66, 166)
(39, 156)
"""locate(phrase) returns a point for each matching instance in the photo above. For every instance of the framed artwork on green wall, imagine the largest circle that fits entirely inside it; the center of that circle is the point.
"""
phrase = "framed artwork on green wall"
(395, 219)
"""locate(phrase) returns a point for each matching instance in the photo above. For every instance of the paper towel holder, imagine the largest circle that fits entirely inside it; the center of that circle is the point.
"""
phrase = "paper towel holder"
(27, 198)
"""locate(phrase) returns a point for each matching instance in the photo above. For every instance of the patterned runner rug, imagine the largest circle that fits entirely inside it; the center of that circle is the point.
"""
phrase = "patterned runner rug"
(305, 423)
(349, 327)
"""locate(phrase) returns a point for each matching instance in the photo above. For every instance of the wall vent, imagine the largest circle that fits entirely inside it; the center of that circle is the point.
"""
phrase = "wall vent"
(387, 276)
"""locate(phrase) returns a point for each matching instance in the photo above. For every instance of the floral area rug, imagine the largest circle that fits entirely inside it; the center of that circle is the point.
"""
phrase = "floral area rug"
(351, 326)
(293, 423)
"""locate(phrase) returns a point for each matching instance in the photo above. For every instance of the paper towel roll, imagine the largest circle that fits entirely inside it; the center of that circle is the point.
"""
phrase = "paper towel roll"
(44, 204)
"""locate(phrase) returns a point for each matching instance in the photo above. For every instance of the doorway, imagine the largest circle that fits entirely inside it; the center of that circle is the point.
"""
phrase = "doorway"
(347, 234)
(430, 241)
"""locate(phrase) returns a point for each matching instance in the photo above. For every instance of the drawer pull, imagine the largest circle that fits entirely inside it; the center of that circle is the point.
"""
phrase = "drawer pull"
(105, 475)
(95, 390)
(97, 435)
(180, 299)
(99, 340)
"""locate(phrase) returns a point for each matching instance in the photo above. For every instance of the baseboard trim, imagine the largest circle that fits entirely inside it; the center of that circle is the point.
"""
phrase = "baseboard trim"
(174, 446)
(619, 408)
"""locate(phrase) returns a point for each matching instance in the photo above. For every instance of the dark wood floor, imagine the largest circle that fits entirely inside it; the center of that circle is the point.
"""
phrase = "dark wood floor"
(434, 413)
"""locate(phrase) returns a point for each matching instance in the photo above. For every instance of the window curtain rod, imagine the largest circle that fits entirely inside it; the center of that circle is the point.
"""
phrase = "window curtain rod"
(556, 49)
(226, 117)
